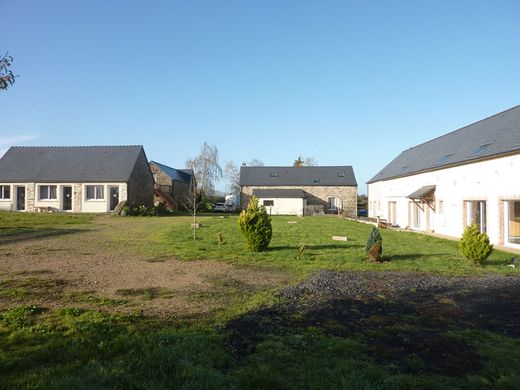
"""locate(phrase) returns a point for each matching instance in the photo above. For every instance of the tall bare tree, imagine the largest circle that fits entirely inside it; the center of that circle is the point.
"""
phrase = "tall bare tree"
(7, 77)
(206, 167)
(232, 173)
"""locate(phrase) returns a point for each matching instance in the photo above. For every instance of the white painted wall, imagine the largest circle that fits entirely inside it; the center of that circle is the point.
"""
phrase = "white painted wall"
(493, 181)
(10, 204)
(284, 206)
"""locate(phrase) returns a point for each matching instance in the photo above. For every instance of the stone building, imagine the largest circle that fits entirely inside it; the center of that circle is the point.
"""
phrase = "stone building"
(78, 179)
(467, 176)
(172, 186)
(301, 190)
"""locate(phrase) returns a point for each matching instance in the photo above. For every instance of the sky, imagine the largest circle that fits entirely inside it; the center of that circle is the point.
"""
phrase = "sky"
(344, 82)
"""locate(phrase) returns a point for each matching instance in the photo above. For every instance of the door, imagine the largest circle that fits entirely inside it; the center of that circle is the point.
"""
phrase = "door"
(20, 198)
(67, 199)
(114, 198)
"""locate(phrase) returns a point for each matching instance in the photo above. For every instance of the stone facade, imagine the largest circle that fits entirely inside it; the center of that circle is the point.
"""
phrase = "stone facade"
(178, 190)
(140, 186)
(316, 196)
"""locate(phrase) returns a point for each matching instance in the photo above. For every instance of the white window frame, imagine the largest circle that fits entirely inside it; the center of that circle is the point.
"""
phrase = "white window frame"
(96, 188)
(48, 196)
(2, 192)
(268, 205)
(482, 205)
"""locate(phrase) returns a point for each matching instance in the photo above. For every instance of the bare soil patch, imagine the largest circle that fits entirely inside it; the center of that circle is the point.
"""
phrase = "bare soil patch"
(85, 268)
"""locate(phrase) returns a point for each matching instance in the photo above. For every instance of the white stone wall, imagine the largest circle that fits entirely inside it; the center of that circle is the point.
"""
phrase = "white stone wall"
(493, 181)
(316, 195)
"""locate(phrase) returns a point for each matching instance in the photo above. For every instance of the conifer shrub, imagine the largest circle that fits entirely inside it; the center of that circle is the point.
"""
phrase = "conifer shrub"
(474, 245)
(374, 246)
(255, 226)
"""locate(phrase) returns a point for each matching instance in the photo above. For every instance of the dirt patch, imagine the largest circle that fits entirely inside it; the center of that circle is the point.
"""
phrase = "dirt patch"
(85, 268)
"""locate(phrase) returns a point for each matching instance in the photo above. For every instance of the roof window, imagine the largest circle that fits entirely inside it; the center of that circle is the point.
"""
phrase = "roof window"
(341, 174)
(316, 181)
(404, 169)
(444, 159)
(274, 174)
(480, 150)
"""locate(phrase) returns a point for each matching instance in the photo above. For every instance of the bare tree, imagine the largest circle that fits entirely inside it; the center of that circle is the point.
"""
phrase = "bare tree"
(7, 77)
(255, 163)
(206, 167)
(310, 162)
(193, 204)
(233, 175)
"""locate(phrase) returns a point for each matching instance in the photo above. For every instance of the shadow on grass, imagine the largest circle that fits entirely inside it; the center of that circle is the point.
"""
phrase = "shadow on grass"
(413, 330)
(10, 235)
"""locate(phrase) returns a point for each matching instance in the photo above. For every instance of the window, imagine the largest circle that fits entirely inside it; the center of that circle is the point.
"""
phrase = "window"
(5, 192)
(444, 159)
(269, 203)
(476, 212)
(440, 208)
(274, 174)
(95, 192)
(333, 203)
(481, 149)
(47, 192)
(316, 181)
(341, 174)
(513, 222)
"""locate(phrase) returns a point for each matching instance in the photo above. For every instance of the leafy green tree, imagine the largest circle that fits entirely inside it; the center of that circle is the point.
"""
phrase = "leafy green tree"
(255, 225)
(7, 77)
(475, 245)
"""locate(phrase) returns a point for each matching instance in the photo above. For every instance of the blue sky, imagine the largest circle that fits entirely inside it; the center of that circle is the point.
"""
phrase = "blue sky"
(346, 82)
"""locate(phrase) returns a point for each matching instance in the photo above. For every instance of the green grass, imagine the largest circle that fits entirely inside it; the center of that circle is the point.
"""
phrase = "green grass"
(402, 251)
(74, 347)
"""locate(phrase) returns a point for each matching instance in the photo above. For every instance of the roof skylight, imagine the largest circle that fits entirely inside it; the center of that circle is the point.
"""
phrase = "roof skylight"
(479, 151)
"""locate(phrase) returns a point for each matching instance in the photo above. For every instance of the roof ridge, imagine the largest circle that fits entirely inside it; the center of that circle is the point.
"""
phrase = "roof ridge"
(77, 146)
(461, 128)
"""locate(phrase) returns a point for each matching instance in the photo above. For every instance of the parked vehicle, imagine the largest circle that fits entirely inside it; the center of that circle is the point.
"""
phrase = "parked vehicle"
(362, 213)
(219, 207)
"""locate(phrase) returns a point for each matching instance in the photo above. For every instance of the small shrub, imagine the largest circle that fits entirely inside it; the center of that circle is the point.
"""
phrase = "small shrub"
(374, 246)
(474, 245)
(220, 238)
(301, 250)
(255, 226)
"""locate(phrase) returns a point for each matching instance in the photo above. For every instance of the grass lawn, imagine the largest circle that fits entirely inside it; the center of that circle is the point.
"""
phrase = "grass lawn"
(62, 328)
(403, 251)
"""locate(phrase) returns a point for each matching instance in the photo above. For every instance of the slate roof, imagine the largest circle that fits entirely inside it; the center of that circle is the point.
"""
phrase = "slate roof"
(179, 175)
(491, 137)
(68, 163)
(278, 193)
(302, 176)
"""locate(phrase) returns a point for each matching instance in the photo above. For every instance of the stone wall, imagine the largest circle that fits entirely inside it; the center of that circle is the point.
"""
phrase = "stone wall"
(77, 190)
(30, 196)
(316, 196)
(140, 185)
